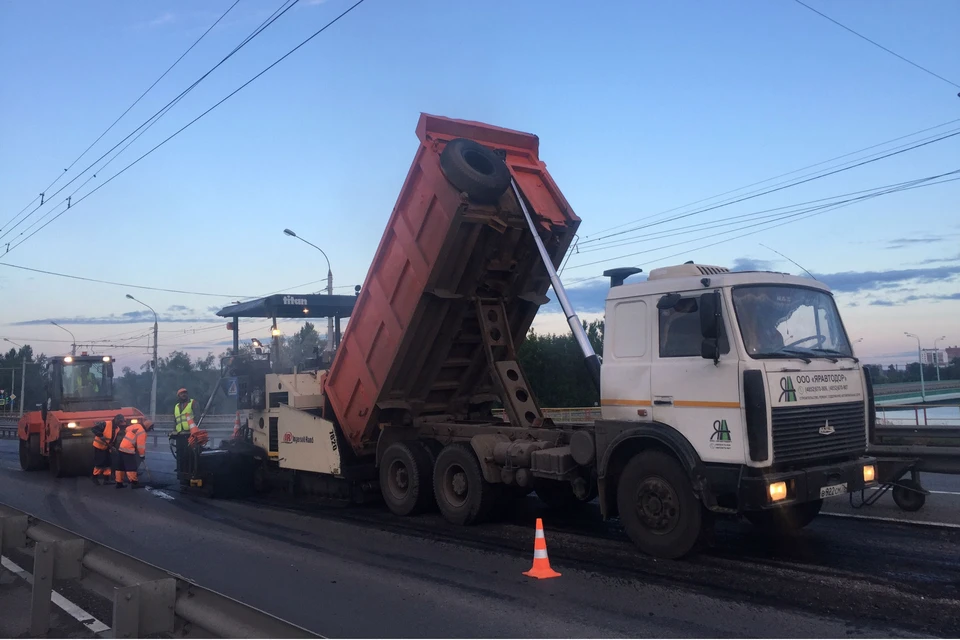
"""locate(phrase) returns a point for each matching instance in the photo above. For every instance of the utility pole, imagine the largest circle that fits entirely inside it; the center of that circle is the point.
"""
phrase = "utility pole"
(73, 346)
(23, 374)
(153, 365)
(936, 354)
(290, 233)
(923, 392)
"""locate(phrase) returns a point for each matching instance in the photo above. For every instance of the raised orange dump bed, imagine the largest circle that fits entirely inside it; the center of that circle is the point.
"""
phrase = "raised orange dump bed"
(413, 346)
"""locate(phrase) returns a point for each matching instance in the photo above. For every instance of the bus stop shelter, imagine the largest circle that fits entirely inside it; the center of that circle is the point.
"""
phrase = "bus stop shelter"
(289, 306)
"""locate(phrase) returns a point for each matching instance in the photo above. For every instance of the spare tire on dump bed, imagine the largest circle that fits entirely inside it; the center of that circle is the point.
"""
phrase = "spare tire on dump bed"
(475, 170)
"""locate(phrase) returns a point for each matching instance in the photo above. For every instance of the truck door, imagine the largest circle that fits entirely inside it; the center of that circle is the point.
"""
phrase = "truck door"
(625, 379)
(693, 395)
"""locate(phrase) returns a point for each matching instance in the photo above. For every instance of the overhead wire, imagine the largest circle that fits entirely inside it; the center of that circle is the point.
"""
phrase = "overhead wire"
(189, 124)
(878, 45)
(788, 184)
(722, 222)
(776, 177)
(132, 105)
(786, 219)
(277, 14)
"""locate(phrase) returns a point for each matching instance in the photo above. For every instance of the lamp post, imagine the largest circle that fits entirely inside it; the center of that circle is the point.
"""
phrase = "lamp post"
(23, 373)
(936, 354)
(290, 233)
(73, 347)
(923, 393)
(153, 388)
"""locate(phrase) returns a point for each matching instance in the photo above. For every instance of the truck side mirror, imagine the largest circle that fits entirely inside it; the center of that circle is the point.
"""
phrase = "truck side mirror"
(710, 320)
(109, 369)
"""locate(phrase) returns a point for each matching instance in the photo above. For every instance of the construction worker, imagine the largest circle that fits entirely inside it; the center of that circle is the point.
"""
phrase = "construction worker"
(132, 448)
(183, 413)
(87, 384)
(184, 425)
(104, 439)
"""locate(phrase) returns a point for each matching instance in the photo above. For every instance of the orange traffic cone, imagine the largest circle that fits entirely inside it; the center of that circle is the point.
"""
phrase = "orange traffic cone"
(236, 425)
(541, 563)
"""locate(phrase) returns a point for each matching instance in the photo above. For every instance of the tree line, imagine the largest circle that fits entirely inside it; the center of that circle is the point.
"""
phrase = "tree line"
(553, 364)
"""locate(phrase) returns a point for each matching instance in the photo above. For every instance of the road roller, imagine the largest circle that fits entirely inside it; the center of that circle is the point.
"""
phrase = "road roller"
(58, 435)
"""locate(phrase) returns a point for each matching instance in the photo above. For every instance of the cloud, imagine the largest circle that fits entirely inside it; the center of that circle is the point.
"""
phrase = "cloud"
(883, 303)
(900, 243)
(859, 281)
(933, 296)
(161, 20)
(955, 258)
(751, 264)
(130, 317)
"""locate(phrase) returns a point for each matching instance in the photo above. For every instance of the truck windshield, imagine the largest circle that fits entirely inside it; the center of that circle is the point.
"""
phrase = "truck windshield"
(86, 380)
(779, 321)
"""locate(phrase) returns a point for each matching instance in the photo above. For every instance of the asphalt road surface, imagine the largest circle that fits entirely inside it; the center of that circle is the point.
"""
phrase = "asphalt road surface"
(361, 572)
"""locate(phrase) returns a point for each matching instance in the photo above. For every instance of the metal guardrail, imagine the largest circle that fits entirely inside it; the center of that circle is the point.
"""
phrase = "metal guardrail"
(147, 600)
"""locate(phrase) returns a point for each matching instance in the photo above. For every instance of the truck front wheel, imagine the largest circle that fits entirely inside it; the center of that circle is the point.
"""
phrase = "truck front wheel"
(785, 519)
(406, 478)
(658, 508)
(463, 496)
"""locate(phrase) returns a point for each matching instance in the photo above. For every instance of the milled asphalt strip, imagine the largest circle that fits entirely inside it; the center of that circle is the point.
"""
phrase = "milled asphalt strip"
(923, 523)
(73, 610)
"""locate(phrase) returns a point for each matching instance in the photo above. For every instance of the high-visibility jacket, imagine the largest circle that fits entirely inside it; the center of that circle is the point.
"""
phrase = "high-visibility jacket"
(183, 420)
(134, 440)
(103, 441)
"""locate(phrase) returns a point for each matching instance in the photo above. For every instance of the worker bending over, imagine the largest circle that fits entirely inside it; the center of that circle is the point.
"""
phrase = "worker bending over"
(105, 437)
(132, 448)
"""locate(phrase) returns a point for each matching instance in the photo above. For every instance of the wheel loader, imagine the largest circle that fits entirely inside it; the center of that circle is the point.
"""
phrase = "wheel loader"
(58, 436)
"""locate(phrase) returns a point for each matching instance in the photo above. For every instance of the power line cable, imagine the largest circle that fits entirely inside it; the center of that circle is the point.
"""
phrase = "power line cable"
(877, 44)
(277, 14)
(722, 222)
(803, 214)
(186, 126)
(783, 186)
(590, 238)
(135, 102)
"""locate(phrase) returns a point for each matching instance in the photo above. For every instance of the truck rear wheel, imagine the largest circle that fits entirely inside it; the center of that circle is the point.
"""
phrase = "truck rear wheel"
(406, 478)
(30, 458)
(475, 170)
(658, 508)
(785, 519)
(462, 494)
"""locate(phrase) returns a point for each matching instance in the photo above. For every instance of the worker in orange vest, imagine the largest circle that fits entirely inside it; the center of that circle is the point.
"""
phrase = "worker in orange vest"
(132, 448)
(104, 439)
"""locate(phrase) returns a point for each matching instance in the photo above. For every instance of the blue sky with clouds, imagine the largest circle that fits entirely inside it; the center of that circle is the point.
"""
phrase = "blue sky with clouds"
(641, 109)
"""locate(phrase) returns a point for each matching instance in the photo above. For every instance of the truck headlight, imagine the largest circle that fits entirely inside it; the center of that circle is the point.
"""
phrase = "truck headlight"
(869, 473)
(134, 421)
(777, 491)
(71, 425)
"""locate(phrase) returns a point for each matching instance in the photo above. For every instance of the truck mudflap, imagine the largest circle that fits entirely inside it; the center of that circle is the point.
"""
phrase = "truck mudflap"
(802, 485)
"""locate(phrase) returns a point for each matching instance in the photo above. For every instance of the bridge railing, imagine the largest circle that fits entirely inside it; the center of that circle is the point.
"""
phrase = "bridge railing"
(147, 600)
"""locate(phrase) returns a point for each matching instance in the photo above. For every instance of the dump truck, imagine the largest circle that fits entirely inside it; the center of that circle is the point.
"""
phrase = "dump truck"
(721, 393)
(59, 436)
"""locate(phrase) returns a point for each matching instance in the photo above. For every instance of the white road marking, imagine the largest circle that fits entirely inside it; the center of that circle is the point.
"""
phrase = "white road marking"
(160, 493)
(947, 493)
(945, 525)
(73, 610)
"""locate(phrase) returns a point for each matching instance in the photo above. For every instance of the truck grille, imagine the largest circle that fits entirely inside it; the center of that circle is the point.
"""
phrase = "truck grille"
(796, 431)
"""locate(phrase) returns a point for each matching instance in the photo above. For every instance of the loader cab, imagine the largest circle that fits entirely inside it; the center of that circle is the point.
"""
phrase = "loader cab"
(80, 383)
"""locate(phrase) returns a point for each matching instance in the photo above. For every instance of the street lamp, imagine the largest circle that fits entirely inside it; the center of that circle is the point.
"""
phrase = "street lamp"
(290, 233)
(73, 347)
(153, 389)
(936, 354)
(923, 393)
(23, 373)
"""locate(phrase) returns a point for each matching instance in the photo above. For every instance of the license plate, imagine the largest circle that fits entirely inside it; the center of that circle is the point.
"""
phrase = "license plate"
(833, 490)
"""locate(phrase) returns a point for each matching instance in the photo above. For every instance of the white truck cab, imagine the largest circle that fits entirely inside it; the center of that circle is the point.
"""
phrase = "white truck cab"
(752, 373)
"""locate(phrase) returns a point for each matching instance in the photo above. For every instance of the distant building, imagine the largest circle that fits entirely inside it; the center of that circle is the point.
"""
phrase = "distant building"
(953, 353)
(930, 356)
